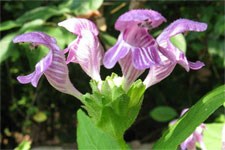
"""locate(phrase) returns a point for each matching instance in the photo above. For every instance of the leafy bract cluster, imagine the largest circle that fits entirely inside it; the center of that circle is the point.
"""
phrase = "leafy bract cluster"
(111, 107)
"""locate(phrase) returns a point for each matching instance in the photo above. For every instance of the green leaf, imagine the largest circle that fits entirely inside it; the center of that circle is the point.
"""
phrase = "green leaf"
(40, 117)
(163, 113)
(91, 137)
(43, 13)
(192, 119)
(6, 45)
(107, 39)
(179, 42)
(8, 25)
(80, 7)
(24, 145)
(213, 136)
(30, 26)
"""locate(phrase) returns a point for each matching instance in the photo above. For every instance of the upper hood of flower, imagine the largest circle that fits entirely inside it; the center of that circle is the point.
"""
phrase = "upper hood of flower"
(86, 50)
(37, 38)
(76, 25)
(180, 26)
(137, 16)
(171, 51)
(53, 66)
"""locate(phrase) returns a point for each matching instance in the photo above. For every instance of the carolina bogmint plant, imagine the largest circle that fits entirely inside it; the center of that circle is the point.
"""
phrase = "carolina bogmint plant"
(115, 102)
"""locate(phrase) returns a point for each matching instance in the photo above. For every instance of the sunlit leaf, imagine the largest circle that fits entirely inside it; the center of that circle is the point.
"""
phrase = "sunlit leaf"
(179, 42)
(220, 119)
(24, 145)
(213, 136)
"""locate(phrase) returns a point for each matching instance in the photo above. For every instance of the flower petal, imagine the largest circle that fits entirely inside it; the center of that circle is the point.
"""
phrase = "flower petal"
(53, 65)
(172, 52)
(76, 25)
(27, 79)
(35, 38)
(42, 65)
(138, 37)
(158, 73)
(86, 49)
(71, 50)
(144, 58)
(180, 26)
(136, 16)
(188, 144)
(129, 72)
(196, 65)
(57, 72)
(89, 54)
(118, 51)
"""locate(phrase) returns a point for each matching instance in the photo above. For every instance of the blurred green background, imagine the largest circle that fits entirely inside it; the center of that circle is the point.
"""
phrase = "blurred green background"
(48, 117)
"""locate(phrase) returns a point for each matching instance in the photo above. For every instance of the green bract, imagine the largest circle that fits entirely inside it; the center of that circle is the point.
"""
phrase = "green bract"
(111, 108)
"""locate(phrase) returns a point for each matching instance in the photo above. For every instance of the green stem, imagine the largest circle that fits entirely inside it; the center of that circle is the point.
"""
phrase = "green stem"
(122, 144)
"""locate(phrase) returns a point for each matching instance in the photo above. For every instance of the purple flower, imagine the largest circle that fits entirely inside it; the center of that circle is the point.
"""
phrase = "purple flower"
(53, 66)
(130, 73)
(172, 53)
(86, 49)
(134, 38)
(159, 72)
(136, 50)
(196, 136)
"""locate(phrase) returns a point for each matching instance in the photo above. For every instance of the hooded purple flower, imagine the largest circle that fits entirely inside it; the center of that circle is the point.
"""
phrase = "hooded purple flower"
(172, 53)
(53, 66)
(136, 50)
(196, 136)
(169, 50)
(134, 38)
(86, 49)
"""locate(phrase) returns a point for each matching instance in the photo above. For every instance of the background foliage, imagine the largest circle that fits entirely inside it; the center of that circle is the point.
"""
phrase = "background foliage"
(48, 117)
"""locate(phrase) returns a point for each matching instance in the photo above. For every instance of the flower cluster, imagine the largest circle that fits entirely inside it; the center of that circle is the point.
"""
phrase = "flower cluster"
(136, 50)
